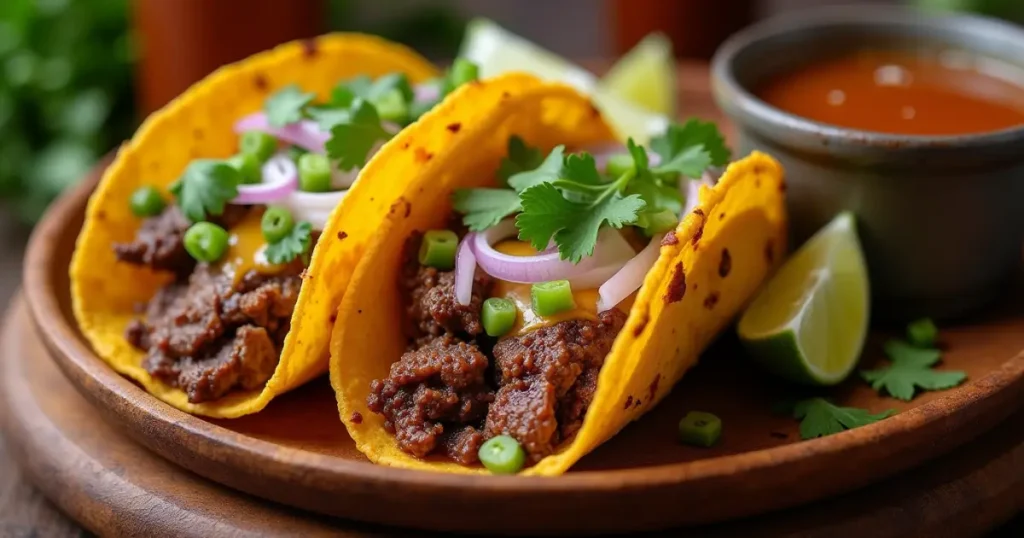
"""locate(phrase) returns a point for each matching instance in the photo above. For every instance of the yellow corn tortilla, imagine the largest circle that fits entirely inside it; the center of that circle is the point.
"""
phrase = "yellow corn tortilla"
(199, 123)
(671, 321)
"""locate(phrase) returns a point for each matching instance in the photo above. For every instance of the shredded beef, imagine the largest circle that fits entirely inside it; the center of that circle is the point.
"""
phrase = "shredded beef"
(548, 379)
(159, 242)
(442, 382)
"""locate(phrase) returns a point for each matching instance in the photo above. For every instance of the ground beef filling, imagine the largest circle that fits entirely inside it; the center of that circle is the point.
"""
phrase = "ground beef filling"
(455, 388)
(208, 332)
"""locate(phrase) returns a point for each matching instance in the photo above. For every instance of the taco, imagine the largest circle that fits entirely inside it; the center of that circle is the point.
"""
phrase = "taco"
(540, 285)
(192, 271)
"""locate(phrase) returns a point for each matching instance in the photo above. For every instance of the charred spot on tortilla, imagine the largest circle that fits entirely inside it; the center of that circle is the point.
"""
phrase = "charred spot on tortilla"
(505, 95)
(454, 127)
(260, 82)
(422, 155)
(309, 48)
(629, 402)
(769, 252)
(334, 317)
(342, 236)
(637, 402)
(197, 134)
(721, 216)
(711, 300)
(356, 418)
(699, 212)
(725, 265)
(677, 285)
(699, 233)
(669, 239)
(594, 111)
(757, 182)
(782, 186)
(652, 389)
(101, 215)
(406, 144)
(645, 318)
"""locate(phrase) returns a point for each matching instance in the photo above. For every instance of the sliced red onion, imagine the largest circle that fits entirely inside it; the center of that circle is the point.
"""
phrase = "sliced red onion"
(465, 268)
(523, 269)
(426, 92)
(280, 178)
(306, 133)
(313, 207)
(630, 277)
(603, 152)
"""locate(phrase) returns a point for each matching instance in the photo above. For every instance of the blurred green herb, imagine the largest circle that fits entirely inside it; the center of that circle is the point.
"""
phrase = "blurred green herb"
(65, 94)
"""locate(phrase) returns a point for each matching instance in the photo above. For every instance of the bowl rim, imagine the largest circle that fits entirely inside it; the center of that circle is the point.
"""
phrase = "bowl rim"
(740, 102)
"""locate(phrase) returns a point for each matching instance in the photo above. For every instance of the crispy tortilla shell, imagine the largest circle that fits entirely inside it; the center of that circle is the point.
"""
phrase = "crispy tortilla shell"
(199, 124)
(686, 299)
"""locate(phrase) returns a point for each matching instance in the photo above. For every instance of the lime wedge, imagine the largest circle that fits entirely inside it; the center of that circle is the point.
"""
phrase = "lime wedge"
(498, 51)
(645, 76)
(809, 322)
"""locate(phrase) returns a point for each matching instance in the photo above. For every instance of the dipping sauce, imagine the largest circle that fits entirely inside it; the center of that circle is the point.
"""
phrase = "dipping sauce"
(931, 92)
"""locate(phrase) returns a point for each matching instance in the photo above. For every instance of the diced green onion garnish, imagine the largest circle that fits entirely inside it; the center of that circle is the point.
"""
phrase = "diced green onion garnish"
(619, 164)
(498, 316)
(249, 167)
(922, 333)
(438, 249)
(206, 242)
(314, 173)
(462, 71)
(258, 144)
(550, 298)
(502, 455)
(146, 201)
(700, 429)
(276, 224)
(656, 223)
(392, 106)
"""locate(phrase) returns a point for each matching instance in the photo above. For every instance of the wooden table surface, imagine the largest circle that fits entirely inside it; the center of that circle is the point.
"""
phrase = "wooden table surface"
(24, 512)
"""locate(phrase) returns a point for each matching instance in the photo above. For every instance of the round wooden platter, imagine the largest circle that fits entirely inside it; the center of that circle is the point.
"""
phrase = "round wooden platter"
(297, 452)
(113, 486)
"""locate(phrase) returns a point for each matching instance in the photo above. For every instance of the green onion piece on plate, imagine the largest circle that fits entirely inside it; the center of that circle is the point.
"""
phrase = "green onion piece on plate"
(700, 429)
(258, 144)
(206, 242)
(276, 224)
(498, 316)
(314, 173)
(146, 201)
(550, 298)
(502, 455)
(438, 249)
(922, 333)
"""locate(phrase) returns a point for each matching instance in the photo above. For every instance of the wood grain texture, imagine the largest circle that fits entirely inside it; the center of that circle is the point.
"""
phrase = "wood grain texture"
(115, 487)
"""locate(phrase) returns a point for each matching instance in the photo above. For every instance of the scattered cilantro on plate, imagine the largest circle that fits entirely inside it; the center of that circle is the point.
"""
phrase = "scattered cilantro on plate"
(819, 417)
(911, 368)
(205, 187)
(291, 246)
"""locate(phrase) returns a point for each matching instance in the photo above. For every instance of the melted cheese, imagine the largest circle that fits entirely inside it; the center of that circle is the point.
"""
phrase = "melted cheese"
(246, 249)
(526, 319)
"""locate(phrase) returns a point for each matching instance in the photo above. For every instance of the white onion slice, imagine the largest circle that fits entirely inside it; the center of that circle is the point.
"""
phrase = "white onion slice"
(280, 178)
(313, 207)
(629, 279)
(426, 92)
(465, 267)
(690, 188)
(306, 133)
(523, 269)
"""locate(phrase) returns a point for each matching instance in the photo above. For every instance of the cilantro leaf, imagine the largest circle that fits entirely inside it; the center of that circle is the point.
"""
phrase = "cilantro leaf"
(548, 171)
(205, 187)
(574, 226)
(326, 118)
(291, 246)
(286, 105)
(820, 417)
(347, 90)
(483, 208)
(520, 158)
(581, 168)
(690, 148)
(911, 369)
(384, 86)
(352, 140)
(658, 193)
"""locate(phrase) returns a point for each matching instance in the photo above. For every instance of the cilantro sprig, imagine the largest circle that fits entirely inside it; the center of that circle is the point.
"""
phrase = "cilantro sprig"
(205, 188)
(565, 197)
(911, 369)
(291, 246)
(819, 417)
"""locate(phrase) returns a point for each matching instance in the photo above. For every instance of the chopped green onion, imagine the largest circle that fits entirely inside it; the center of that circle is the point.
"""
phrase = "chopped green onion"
(700, 429)
(550, 298)
(656, 223)
(438, 249)
(314, 173)
(461, 72)
(276, 224)
(146, 201)
(294, 152)
(498, 316)
(206, 242)
(922, 333)
(502, 455)
(258, 144)
(392, 106)
(618, 164)
(249, 167)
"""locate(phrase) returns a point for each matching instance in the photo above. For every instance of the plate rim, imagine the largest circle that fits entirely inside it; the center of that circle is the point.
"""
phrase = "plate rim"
(118, 397)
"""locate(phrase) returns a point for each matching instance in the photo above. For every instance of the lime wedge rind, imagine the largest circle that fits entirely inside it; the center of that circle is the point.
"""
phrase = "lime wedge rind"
(808, 324)
(646, 76)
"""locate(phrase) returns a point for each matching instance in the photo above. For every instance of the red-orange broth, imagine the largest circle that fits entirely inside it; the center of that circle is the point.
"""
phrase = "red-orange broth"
(902, 92)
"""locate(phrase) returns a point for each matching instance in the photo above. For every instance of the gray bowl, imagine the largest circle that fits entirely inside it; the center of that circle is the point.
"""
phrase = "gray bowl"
(941, 218)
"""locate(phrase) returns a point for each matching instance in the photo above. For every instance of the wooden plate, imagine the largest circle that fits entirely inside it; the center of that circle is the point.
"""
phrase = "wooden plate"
(297, 452)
